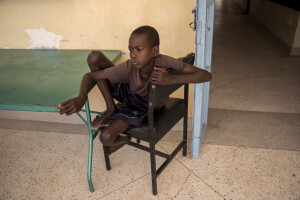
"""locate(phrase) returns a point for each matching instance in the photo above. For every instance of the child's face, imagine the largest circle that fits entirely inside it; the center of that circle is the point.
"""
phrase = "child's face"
(141, 52)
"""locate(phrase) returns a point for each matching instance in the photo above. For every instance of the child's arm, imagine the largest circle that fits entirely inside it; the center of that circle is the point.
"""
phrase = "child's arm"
(191, 74)
(75, 104)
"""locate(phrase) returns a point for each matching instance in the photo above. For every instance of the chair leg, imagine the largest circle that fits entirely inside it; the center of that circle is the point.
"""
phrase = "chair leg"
(184, 149)
(185, 118)
(138, 141)
(153, 169)
(106, 155)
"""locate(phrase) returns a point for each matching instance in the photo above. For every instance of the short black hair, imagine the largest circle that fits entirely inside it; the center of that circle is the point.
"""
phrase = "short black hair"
(151, 33)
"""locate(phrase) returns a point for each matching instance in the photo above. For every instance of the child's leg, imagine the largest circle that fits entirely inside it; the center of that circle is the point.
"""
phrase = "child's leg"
(110, 136)
(98, 61)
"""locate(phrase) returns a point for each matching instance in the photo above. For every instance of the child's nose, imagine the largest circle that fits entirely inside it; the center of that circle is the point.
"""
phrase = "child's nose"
(133, 55)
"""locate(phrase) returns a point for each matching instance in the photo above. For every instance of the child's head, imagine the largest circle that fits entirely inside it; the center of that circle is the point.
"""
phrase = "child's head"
(143, 46)
(150, 32)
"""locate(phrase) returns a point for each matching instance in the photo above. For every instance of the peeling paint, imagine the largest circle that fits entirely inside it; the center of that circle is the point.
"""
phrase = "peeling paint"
(42, 39)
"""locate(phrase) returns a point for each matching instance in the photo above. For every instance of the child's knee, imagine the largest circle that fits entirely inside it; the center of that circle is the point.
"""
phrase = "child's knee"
(95, 59)
(105, 138)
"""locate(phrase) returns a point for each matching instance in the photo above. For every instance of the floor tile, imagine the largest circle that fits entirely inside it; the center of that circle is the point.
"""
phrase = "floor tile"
(223, 77)
(248, 129)
(6, 132)
(175, 182)
(253, 129)
(280, 77)
(248, 173)
(244, 95)
(45, 165)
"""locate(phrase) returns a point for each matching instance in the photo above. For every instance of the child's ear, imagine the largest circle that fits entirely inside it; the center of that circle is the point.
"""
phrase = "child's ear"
(155, 50)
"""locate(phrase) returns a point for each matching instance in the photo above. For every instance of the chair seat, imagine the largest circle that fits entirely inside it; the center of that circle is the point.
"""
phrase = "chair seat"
(164, 120)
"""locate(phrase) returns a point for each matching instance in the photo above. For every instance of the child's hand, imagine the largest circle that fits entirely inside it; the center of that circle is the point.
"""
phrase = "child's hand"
(160, 76)
(71, 106)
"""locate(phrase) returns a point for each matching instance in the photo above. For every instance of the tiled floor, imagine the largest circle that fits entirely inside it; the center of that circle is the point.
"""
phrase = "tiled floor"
(251, 149)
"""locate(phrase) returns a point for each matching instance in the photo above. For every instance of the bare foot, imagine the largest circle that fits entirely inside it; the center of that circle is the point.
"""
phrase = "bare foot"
(123, 140)
(104, 117)
(101, 119)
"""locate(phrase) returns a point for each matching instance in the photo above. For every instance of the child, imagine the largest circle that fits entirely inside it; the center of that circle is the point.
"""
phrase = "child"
(128, 83)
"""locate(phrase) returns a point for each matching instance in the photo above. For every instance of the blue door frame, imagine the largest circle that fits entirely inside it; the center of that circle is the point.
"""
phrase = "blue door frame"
(204, 37)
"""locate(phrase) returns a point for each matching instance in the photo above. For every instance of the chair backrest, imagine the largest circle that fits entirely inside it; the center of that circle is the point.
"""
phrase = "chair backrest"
(160, 92)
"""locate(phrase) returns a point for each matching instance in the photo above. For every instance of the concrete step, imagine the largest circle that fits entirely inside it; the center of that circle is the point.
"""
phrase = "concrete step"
(225, 127)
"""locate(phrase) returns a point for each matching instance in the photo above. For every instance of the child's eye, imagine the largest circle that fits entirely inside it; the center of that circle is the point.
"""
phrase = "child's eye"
(139, 49)
(130, 50)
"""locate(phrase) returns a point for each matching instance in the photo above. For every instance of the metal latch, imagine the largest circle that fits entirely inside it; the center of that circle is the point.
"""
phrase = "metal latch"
(194, 25)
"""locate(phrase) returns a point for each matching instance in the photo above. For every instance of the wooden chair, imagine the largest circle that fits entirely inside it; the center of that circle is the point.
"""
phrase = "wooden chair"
(159, 123)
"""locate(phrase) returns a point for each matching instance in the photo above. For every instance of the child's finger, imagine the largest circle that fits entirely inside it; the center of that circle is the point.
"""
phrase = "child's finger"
(160, 69)
(72, 111)
(153, 81)
(69, 109)
(59, 108)
(63, 109)
(156, 73)
(64, 103)
(154, 77)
